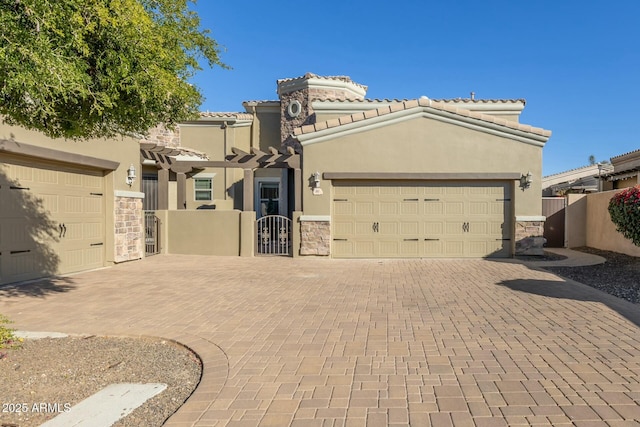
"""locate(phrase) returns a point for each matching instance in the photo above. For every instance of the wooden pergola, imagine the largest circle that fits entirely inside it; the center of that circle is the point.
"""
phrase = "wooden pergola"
(165, 158)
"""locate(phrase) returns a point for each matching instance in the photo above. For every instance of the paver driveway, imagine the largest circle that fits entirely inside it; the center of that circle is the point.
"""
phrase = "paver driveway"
(316, 342)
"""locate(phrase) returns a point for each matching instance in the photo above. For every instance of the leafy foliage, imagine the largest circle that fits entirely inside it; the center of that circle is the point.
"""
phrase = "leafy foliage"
(98, 68)
(7, 337)
(624, 209)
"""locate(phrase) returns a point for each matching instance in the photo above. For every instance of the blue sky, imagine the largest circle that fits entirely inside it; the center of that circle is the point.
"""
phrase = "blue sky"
(577, 63)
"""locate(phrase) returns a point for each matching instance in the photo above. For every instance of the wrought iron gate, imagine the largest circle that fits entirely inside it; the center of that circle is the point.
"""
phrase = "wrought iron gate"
(274, 235)
(151, 233)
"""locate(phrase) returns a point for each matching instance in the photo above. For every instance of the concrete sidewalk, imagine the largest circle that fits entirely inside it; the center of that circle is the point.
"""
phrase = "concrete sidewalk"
(318, 342)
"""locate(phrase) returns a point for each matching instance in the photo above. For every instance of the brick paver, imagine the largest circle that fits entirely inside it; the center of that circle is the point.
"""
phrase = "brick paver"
(366, 342)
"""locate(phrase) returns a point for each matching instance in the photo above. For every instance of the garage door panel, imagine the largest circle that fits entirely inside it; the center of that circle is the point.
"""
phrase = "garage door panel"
(454, 208)
(410, 228)
(386, 228)
(432, 248)
(342, 248)
(432, 228)
(92, 204)
(364, 248)
(389, 248)
(343, 208)
(343, 228)
(416, 219)
(454, 248)
(389, 208)
(433, 208)
(364, 208)
(364, 228)
(409, 207)
(410, 248)
(478, 208)
(55, 202)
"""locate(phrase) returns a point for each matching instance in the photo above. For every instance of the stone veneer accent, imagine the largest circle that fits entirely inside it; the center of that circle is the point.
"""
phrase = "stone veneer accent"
(160, 135)
(529, 240)
(129, 229)
(288, 123)
(315, 238)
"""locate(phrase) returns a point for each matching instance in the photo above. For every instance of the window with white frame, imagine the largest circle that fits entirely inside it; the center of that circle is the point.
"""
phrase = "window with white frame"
(203, 189)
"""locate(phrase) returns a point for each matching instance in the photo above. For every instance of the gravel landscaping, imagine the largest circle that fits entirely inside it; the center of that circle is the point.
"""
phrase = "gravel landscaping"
(618, 276)
(44, 376)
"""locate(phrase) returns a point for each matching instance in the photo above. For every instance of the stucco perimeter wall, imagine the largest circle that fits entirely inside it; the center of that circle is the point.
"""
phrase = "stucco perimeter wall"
(576, 221)
(601, 232)
(202, 232)
(423, 145)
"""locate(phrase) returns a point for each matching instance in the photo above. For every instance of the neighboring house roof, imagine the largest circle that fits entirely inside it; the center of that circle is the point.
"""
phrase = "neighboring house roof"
(625, 166)
(320, 130)
(574, 175)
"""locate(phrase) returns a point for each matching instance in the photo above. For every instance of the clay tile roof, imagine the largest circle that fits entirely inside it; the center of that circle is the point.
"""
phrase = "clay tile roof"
(237, 116)
(626, 154)
(425, 103)
(481, 101)
(308, 76)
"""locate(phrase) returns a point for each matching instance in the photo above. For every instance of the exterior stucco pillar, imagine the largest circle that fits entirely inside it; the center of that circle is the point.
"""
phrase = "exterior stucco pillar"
(163, 189)
(247, 193)
(182, 190)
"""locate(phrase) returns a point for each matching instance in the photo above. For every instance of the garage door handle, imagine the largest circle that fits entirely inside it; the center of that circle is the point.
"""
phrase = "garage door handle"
(19, 252)
(410, 200)
(431, 240)
(375, 227)
(465, 227)
(96, 244)
(431, 200)
(504, 240)
(339, 240)
(63, 230)
(12, 187)
(411, 240)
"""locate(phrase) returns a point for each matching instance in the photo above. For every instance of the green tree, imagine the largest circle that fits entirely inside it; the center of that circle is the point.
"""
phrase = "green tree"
(82, 69)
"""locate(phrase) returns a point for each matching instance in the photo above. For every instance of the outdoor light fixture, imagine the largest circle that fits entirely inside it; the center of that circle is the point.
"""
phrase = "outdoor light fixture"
(131, 175)
(316, 179)
(525, 181)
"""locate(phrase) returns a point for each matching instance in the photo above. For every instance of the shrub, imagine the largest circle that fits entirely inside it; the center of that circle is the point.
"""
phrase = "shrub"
(7, 337)
(624, 208)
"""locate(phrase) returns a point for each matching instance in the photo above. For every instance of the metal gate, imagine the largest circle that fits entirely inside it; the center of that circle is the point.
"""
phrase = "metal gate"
(554, 209)
(274, 235)
(151, 233)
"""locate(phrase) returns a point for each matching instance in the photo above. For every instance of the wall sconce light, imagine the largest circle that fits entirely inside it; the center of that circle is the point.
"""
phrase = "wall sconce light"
(315, 179)
(131, 175)
(526, 180)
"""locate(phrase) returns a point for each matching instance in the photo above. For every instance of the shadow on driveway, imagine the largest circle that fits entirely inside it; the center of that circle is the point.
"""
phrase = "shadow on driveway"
(569, 289)
(39, 288)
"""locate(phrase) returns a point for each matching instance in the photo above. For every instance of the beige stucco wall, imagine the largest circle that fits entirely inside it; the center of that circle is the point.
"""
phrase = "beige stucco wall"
(600, 231)
(576, 221)
(202, 232)
(423, 145)
(629, 182)
(216, 141)
(267, 130)
(125, 151)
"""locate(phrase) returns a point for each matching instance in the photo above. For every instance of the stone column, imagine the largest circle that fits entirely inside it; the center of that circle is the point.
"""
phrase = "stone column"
(129, 226)
(529, 235)
(315, 235)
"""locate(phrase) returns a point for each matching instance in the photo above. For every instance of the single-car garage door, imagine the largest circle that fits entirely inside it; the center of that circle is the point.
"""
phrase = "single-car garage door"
(372, 219)
(52, 220)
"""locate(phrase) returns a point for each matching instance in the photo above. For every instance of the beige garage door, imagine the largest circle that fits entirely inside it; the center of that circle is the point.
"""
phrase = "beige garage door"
(421, 219)
(52, 220)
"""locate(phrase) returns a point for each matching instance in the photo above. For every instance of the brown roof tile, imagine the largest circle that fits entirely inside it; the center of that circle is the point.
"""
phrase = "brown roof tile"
(425, 102)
